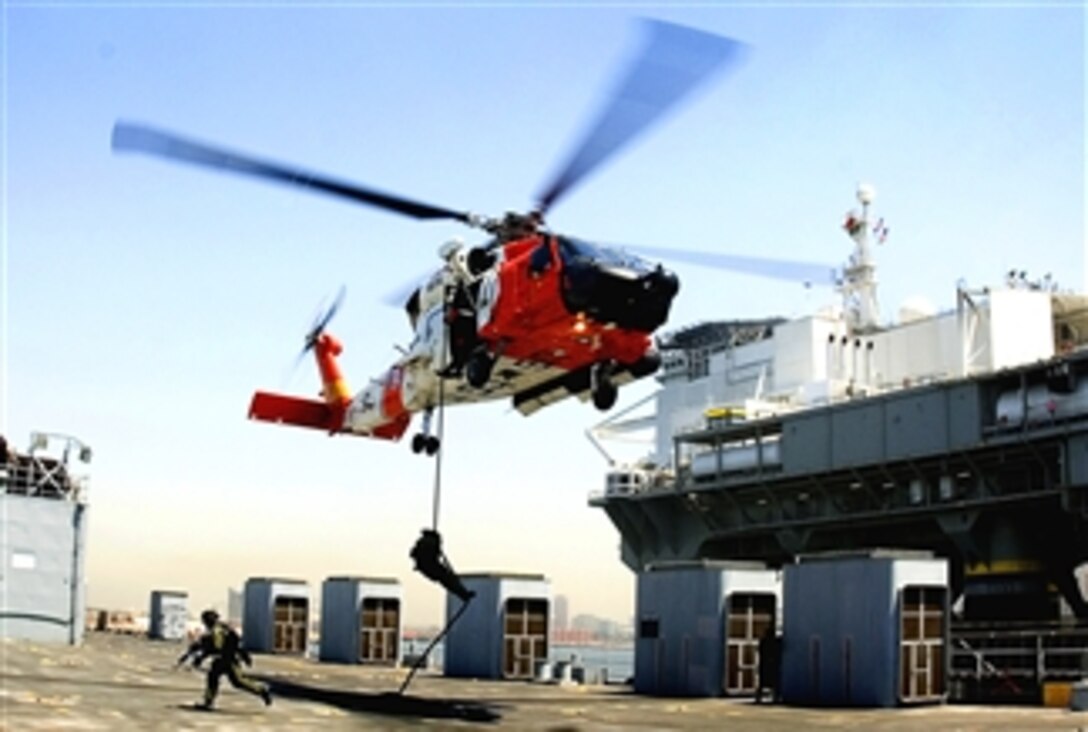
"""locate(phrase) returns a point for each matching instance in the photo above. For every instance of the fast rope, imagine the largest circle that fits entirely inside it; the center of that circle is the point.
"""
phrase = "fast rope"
(436, 501)
(439, 433)
(427, 652)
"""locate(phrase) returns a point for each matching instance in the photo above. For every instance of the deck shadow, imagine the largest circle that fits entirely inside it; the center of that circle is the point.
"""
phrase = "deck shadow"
(196, 709)
(387, 703)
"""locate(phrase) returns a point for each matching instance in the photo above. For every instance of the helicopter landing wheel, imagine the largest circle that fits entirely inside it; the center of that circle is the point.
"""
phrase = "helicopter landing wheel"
(478, 369)
(425, 443)
(604, 396)
(603, 390)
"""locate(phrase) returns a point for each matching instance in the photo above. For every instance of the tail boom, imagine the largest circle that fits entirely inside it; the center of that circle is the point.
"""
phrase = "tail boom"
(327, 414)
(318, 415)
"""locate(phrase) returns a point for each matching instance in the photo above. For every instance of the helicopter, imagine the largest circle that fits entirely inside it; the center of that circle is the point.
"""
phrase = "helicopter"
(528, 314)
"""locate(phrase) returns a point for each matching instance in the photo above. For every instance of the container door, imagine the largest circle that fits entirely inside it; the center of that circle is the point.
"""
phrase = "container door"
(173, 618)
(378, 631)
(921, 643)
(289, 627)
(748, 617)
(525, 637)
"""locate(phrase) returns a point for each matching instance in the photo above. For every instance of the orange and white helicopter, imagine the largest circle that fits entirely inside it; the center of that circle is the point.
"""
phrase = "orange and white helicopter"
(528, 314)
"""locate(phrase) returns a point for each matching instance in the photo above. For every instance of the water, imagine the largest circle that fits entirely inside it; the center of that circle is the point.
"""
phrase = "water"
(411, 648)
(618, 662)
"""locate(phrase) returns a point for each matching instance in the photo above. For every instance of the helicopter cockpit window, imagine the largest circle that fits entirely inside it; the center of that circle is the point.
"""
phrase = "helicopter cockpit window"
(540, 259)
(575, 251)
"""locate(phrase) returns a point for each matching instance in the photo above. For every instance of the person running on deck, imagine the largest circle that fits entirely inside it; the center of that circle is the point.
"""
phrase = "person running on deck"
(222, 643)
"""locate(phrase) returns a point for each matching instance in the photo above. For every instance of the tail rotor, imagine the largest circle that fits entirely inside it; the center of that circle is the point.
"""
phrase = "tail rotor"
(321, 321)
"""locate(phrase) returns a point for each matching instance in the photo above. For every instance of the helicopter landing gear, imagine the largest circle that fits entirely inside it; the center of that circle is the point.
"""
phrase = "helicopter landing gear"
(478, 368)
(424, 441)
(601, 387)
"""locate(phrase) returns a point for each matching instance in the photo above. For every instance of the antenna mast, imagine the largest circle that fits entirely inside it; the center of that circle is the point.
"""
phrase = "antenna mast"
(858, 286)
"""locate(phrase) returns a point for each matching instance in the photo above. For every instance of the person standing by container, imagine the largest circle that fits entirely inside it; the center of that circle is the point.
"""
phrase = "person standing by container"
(770, 665)
(222, 642)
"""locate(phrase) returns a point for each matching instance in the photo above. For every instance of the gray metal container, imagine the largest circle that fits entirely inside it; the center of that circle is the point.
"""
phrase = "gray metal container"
(698, 626)
(361, 620)
(276, 615)
(503, 633)
(865, 629)
(169, 615)
(42, 587)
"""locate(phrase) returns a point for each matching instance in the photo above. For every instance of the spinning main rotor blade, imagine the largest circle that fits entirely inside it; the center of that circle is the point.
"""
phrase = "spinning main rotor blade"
(675, 60)
(139, 138)
(809, 273)
(814, 274)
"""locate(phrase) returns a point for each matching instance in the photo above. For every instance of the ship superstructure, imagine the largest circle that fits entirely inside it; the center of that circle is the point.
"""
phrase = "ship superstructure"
(963, 431)
(43, 527)
(754, 368)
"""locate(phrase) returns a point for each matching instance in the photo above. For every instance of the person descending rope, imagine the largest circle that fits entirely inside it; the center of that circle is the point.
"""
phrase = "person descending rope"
(432, 563)
(222, 642)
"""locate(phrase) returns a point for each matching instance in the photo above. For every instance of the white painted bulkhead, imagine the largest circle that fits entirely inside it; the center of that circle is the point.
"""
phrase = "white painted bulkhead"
(815, 360)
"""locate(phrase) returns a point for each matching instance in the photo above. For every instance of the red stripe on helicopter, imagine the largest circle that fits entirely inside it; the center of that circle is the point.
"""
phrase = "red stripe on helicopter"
(392, 400)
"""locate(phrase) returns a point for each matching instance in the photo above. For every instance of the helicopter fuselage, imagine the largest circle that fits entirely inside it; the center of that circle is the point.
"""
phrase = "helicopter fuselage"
(531, 315)
(566, 303)
(551, 317)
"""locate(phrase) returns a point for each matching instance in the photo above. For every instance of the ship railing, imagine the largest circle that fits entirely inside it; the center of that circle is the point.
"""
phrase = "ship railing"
(633, 480)
(1016, 661)
(28, 475)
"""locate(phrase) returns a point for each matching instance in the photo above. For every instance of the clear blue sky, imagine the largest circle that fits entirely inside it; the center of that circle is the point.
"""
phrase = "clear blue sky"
(144, 301)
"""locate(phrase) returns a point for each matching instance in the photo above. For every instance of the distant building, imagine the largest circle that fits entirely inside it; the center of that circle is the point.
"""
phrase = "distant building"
(573, 637)
(598, 628)
(234, 606)
(560, 613)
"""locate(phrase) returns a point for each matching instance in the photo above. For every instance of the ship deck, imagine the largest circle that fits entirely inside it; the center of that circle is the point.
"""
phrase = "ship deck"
(115, 682)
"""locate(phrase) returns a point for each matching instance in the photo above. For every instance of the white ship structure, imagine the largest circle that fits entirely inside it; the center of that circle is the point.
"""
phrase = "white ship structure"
(963, 432)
